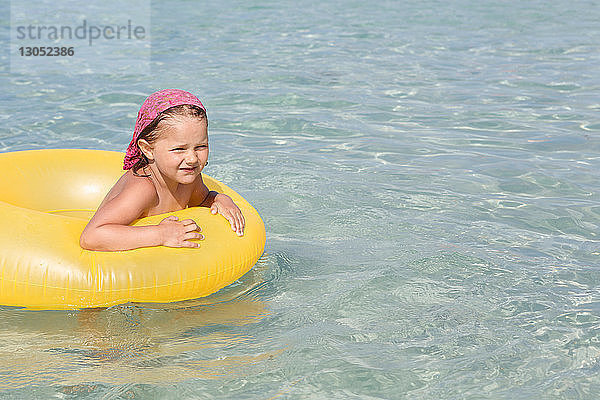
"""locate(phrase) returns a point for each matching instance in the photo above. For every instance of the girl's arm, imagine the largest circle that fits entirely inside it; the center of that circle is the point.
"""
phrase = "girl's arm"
(219, 203)
(109, 229)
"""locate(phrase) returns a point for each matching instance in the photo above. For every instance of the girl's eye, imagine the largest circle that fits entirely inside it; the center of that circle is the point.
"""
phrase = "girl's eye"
(202, 146)
(178, 149)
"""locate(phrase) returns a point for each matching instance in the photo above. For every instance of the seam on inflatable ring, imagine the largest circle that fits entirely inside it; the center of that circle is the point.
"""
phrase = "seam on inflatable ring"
(123, 289)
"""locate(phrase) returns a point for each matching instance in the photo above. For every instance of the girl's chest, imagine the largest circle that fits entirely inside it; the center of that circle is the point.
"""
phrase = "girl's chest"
(168, 202)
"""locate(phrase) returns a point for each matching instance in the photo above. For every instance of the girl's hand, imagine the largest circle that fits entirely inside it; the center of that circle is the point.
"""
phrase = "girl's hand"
(175, 233)
(227, 208)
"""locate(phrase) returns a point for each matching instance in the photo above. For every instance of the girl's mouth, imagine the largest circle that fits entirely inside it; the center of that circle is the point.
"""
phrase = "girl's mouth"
(191, 169)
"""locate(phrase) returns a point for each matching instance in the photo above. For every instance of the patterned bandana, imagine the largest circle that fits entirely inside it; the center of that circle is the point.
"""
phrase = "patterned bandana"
(155, 104)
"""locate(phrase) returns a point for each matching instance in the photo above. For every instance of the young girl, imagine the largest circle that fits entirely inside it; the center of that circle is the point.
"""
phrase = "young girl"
(168, 151)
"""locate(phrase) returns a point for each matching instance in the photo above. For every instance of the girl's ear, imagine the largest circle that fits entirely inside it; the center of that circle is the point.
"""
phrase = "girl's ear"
(146, 149)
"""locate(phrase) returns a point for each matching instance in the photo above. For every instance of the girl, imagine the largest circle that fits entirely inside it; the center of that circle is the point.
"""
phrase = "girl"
(168, 151)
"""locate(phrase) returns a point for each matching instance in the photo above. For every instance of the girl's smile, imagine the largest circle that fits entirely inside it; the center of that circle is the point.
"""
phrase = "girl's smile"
(189, 170)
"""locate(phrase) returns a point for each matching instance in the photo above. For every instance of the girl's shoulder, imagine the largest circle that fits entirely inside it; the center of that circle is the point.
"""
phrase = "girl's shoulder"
(139, 186)
(130, 186)
(129, 199)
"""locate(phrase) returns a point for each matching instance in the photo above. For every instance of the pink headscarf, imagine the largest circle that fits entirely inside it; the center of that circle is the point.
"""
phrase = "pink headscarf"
(155, 104)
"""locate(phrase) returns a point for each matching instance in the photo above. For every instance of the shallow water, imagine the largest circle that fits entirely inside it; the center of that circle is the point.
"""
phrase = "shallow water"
(426, 176)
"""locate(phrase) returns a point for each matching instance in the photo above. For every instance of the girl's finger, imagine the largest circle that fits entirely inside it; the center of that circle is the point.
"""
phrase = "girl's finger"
(232, 221)
(193, 235)
(240, 228)
(191, 225)
(239, 218)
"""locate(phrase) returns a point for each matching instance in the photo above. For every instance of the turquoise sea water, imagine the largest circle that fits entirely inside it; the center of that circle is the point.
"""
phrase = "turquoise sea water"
(428, 176)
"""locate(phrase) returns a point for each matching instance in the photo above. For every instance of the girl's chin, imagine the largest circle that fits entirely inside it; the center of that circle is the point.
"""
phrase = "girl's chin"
(187, 176)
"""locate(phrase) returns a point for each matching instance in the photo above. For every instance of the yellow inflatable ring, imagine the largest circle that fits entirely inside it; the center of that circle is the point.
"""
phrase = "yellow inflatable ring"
(46, 199)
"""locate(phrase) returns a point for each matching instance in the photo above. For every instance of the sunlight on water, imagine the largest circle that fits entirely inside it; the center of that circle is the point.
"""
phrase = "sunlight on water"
(427, 175)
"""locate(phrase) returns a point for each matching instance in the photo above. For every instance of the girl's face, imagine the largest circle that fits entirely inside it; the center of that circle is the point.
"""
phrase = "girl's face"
(181, 150)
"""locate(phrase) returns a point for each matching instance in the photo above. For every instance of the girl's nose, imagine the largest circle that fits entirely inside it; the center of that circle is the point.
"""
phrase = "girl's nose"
(191, 158)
